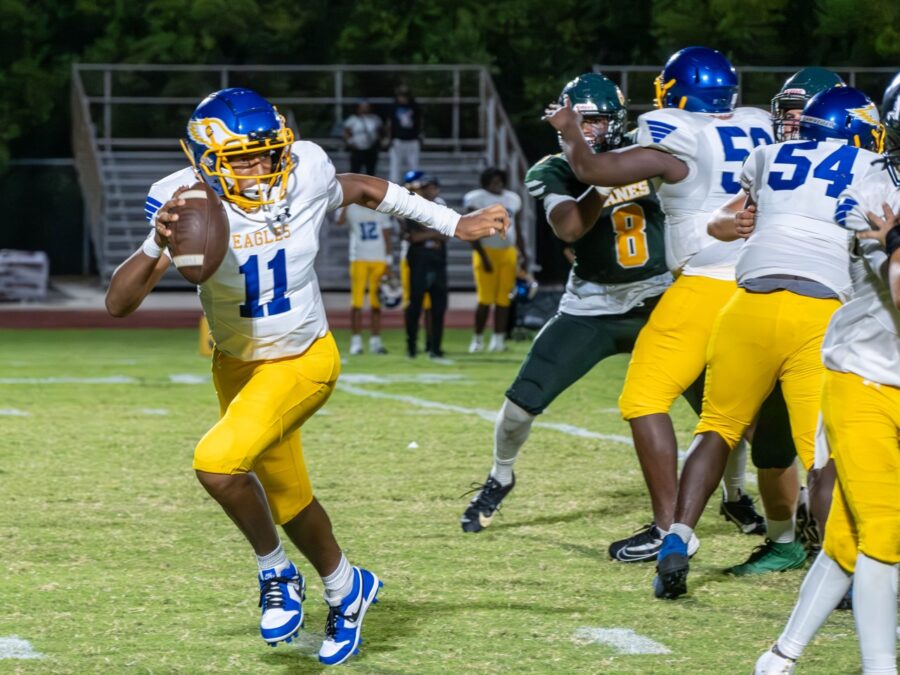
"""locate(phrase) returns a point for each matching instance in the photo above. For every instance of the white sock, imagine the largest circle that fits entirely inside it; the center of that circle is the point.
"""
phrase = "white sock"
(735, 469)
(339, 583)
(780, 531)
(510, 433)
(478, 339)
(821, 591)
(355, 341)
(374, 342)
(683, 531)
(496, 343)
(277, 559)
(875, 611)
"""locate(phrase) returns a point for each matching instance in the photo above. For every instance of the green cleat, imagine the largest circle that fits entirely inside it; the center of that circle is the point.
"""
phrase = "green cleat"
(771, 557)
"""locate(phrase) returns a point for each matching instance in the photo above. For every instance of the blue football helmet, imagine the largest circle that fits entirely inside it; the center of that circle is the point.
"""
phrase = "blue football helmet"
(234, 122)
(843, 113)
(890, 113)
(416, 179)
(697, 79)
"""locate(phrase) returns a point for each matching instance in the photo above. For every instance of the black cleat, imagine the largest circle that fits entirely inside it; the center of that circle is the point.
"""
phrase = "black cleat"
(486, 502)
(672, 569)
(644, 545)
(743, 514)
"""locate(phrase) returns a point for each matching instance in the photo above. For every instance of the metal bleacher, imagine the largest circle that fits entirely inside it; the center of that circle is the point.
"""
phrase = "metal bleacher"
(117, 161)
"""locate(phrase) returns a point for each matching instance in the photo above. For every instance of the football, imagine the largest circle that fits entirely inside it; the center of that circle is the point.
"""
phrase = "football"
(199, 238)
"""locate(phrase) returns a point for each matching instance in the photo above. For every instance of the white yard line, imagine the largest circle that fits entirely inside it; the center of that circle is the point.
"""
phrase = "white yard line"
(488, 415)
(114, 379)
(623, 640)
(13, 412)
(14, 647)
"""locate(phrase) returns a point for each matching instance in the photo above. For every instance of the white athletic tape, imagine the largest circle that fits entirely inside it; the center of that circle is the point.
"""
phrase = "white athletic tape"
(623, 640)
(14, 647)
(194, 260)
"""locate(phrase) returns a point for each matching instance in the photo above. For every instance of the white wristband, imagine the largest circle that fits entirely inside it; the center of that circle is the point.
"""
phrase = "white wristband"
(150, 248)
(401, 202)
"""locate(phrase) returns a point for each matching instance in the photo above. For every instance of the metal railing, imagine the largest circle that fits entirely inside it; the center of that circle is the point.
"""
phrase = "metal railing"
(126, 106)
(767, 81)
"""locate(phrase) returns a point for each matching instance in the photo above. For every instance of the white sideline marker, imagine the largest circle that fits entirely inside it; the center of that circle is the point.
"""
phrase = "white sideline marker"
(154, 411)
(488, 415)
(13, 412)
(115, 379)
(188, 378)
(623, 640)
(14, 647)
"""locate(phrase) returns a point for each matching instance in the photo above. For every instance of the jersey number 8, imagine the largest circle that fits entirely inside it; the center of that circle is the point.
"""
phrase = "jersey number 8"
(630, 227)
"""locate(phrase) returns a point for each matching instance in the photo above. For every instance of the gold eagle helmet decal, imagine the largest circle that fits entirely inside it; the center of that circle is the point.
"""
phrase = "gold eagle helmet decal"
(211, 132)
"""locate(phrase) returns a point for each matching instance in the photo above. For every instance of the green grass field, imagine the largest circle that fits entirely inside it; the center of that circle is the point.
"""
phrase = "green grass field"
(114, 559)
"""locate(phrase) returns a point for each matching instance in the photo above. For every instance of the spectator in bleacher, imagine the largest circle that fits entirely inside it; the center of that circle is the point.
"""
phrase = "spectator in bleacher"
(362, 132)
(495, 260)
(371, 252)
(404, 133)
(427, 260)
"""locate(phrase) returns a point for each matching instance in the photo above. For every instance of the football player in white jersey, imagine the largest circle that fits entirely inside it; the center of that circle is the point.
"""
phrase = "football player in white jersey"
(275, 362)
(695, 144)
(371, 257)
(861, 413)
(793, 273)
(495, 260)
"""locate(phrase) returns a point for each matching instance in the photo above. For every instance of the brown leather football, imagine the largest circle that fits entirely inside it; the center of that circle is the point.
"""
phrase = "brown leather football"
(199, 238)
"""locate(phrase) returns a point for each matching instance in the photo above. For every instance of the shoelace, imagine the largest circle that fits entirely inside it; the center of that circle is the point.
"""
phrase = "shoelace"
(485, 488)
(270, 594)
(331, 622)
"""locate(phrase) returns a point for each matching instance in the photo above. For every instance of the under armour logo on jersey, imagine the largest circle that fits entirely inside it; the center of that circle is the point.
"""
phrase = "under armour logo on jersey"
(659, 130)
(844, 207)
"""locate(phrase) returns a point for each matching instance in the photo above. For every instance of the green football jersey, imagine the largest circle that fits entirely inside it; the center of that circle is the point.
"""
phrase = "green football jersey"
(626, 242)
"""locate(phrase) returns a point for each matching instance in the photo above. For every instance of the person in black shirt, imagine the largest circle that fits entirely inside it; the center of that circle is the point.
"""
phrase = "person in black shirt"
(404, 130)
(427, 260)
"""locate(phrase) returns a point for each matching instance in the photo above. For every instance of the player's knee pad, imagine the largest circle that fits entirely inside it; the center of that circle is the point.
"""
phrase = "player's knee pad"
(840, 545)
(512, 427)
(218, 452)
(730, 430)
(646, 396)
(766, 456)
(879, 539)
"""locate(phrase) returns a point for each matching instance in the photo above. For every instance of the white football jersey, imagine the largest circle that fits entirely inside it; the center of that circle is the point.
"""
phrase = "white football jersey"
(264, 301)
(863, 336)
(796, 185)
(367, 232)
(713, 146)
(481, 198)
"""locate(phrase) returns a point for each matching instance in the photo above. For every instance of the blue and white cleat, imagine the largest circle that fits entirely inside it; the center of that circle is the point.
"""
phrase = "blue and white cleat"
(281, 596)
(671, 568)
(343, 628)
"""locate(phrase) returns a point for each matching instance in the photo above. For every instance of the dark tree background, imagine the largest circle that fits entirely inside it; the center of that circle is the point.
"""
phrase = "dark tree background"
(531, 46)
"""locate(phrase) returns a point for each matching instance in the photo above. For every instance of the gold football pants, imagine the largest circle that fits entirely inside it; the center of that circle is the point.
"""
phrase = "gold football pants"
(862, 421)
(495, 287)
(263, 404)
(366, 274)
(670, 352)
(758, 339)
